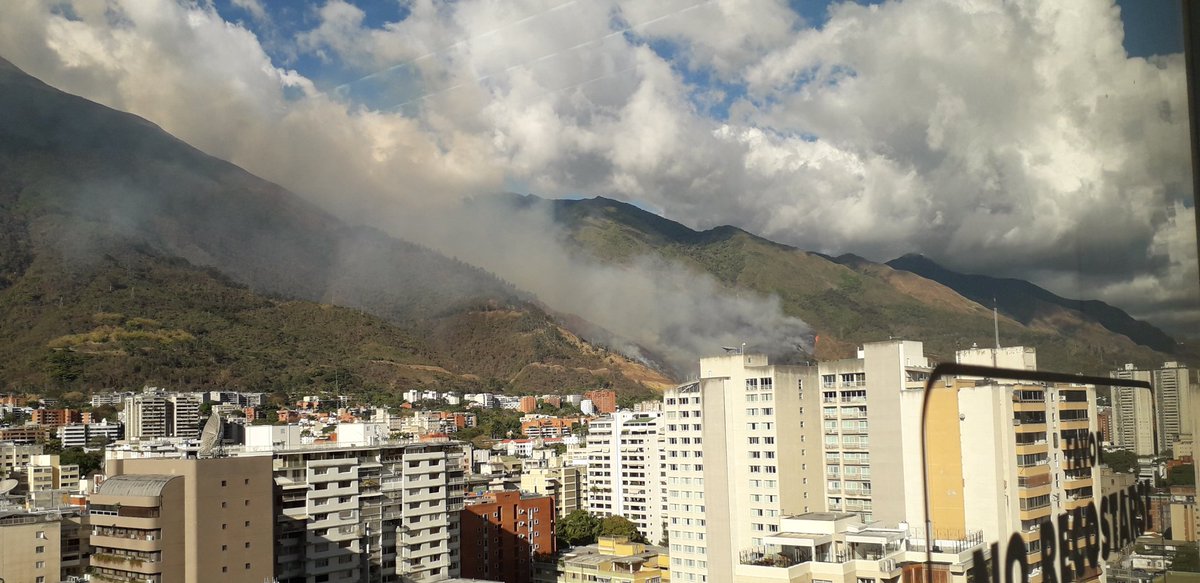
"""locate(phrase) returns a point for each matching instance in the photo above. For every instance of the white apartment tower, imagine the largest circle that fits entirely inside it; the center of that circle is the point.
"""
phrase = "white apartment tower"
(370, 513)
(625, 472)
(1134, 413)
(741, 456)
(870, 426)
(156, 414)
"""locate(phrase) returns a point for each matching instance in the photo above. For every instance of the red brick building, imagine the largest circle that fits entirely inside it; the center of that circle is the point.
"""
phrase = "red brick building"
(528, 404)
(605, 400)
(502, 532)
(548, 427)
(56, 417)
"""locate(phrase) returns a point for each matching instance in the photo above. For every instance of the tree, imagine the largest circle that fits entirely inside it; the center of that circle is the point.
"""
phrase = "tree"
(73, 399)
(621, 526)
(1186, 559)
(1121, 461)
(88, 462)
(104, 412)
(578, 528)
(1182, 475)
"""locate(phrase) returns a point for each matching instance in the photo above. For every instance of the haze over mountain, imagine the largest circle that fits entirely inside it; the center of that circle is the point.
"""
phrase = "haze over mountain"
(96, 204)
(849, 300)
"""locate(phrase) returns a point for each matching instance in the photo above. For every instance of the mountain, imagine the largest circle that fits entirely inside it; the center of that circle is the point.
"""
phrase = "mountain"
(1029, 303)
(224, 267)
(849, 300)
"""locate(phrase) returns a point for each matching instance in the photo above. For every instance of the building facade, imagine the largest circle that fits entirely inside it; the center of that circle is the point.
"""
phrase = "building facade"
(742, 452)
(626, 463)
(188, 520)
(504, 534)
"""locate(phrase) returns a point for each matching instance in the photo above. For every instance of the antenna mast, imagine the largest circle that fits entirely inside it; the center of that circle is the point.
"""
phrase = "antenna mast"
(996, 328)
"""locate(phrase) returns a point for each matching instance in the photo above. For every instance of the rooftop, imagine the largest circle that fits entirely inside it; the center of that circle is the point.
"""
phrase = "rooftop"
(135, 485)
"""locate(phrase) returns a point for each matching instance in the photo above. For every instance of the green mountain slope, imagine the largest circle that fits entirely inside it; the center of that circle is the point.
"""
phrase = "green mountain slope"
(847, 300)
(88, 193)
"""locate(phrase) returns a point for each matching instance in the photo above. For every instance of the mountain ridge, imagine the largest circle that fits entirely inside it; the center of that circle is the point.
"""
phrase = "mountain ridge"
(81, 184)
(846, 298)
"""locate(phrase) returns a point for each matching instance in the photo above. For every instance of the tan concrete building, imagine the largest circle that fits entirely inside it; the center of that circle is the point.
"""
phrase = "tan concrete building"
(187, 520)
(741, 454)
(46, 472)
(551, 477)
(30, 546)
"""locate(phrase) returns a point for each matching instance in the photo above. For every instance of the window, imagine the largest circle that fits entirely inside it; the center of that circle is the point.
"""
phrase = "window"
(222, 483)
(40, 550)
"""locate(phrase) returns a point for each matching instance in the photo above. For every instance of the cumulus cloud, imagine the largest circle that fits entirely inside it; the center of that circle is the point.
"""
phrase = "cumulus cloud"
(1011, 138)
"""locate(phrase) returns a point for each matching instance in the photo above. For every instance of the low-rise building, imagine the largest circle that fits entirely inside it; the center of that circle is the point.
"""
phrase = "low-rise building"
(615, 560)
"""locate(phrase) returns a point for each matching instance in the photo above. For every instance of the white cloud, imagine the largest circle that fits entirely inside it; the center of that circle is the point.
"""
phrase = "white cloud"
(1004, 137)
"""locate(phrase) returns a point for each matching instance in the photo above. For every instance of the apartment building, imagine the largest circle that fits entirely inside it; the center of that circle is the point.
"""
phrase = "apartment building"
(1134, 413)
(386, 512)
(14, 457)
(742, 453)
(155, 414)
(90, 434)
(57, 417)
(1171, 403)
(870, 423)
(46, 472)
(186, 520)
(604, 401)
(544, 427)
(30, 546)
(551, 476)
(626, 463)
(504, 533)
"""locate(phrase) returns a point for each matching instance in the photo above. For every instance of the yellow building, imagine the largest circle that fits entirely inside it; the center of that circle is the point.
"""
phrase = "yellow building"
(616, 560)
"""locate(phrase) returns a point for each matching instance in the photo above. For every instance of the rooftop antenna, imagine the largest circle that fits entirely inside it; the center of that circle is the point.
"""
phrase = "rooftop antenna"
(996, 327)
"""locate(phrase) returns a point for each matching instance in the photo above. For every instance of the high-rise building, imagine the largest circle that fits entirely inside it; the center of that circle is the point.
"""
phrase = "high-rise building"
(1172, 384)
(870, 428)
(742, 453)
(626, 462)
(155, 414)
(1134, 413)
(504, 533)
(188, 520)
(386, 512)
